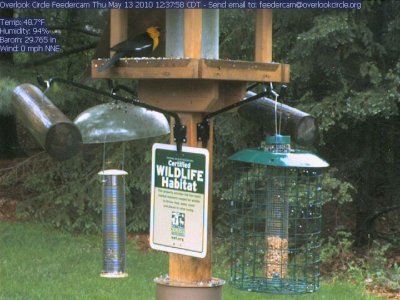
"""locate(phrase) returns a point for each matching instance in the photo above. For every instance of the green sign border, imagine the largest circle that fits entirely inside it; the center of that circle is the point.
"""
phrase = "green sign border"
(199, 160)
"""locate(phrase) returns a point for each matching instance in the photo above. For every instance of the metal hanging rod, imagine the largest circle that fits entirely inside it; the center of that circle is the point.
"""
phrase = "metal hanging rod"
(234, 105)
(203, 128)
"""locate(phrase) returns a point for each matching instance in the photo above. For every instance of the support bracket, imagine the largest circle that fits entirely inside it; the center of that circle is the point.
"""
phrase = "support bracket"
(203, 132)
(203, 128)
(179, 135)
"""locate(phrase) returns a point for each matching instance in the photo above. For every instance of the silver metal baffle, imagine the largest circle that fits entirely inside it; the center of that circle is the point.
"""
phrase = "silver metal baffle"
(114, 223)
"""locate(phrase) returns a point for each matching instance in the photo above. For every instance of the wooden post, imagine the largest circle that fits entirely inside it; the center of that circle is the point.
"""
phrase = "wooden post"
(118, 26)
(263, 51)
(193, 85)
(186, 269)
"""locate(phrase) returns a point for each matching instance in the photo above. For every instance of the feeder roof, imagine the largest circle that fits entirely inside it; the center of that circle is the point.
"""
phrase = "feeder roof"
(294, 159)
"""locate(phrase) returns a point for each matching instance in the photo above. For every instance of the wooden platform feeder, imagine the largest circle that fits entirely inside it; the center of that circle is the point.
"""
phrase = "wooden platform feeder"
(189, 78)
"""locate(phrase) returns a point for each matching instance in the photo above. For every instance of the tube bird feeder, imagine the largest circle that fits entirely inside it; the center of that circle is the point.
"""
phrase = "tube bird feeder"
(301, 126)
(276, 209)
(114, 223)
(59, 137)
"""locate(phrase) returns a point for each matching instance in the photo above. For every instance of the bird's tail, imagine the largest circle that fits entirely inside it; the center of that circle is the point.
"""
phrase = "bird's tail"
(111, 62)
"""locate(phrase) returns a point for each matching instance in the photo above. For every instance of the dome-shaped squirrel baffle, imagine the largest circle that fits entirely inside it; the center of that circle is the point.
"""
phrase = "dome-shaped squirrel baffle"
(119, 121)
(276, 218)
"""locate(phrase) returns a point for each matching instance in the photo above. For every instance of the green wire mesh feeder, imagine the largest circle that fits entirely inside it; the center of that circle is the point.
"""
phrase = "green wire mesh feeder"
(276, 219)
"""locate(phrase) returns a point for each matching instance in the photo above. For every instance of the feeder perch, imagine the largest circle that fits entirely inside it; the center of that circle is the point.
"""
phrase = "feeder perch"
(276, 218)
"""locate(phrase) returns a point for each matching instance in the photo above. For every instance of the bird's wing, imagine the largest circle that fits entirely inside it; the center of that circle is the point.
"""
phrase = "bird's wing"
(111, 62)
(140, 45)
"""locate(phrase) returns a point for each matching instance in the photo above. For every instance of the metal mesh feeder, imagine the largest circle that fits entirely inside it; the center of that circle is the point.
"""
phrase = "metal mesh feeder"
(114, 224)
(276, 219)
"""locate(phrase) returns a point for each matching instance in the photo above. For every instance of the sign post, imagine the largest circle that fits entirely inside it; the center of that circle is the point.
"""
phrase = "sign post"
(179, 200)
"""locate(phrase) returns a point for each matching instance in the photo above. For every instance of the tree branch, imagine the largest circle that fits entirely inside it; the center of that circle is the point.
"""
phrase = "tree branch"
(382, 212)
(84, 31)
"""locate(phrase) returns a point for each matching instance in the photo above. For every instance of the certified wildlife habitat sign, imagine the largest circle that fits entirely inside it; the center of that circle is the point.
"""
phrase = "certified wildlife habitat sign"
(179, 200)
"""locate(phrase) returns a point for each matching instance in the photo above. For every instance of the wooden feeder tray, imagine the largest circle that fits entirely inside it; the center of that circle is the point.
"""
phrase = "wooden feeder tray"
(190, 68)
(189, 84)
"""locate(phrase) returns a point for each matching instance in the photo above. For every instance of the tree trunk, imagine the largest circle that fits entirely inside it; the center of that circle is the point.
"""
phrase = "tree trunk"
(9, 145)
(364, 200)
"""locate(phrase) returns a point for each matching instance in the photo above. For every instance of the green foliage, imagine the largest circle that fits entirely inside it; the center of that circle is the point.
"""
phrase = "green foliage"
(338, 249)
(345, 71)
(380, 275)
(7, 85)
(343, 108)
(231, 134)
(63, 194)
(335, 189)
(341, 70)
(73, 28)
(68, 194)
(237, 34)
(369, 268)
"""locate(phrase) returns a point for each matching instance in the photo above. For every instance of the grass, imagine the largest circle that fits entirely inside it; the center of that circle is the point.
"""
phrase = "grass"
(336, 291)
(41, 263)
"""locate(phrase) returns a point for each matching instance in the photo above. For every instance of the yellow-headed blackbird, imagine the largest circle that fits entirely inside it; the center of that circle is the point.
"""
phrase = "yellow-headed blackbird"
(138, 46)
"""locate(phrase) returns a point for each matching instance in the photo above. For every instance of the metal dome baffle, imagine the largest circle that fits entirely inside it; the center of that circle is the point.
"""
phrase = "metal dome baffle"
(276, 219)
(120, 121)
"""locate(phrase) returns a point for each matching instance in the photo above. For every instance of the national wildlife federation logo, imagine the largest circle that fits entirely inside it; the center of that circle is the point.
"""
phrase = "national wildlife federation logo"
(178, 224)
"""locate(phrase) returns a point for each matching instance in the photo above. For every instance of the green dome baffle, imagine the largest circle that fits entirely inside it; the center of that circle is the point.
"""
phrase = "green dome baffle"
(276, 219)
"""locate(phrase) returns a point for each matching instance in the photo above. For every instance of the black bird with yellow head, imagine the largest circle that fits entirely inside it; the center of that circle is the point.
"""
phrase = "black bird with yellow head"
(141, 45)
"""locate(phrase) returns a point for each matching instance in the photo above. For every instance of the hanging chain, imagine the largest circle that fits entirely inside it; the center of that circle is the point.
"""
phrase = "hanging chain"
(123, 156)
(280, 117)
(278, 126)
